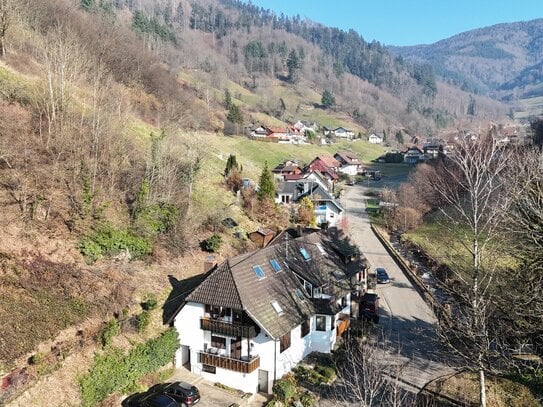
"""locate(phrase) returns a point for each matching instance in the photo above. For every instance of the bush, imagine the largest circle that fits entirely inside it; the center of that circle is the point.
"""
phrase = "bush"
(109, 241)
(150, 303)
(111, 330)
(308, 400)
(284, 390)
(212, 244)
(114, 371)
(156, 219)
(142, 321)
(327, 372)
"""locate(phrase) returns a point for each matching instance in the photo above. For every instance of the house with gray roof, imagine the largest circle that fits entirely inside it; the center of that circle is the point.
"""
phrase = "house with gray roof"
(257, 315)
(328, 211)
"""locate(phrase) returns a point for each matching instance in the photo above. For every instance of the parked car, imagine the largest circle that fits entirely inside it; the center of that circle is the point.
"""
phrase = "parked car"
(184, 393)
(369, 307)
(382, 276)
(150, 399)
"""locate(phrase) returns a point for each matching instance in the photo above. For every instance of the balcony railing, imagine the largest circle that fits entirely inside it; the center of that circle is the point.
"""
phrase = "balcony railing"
(223, 362)
(228, 328)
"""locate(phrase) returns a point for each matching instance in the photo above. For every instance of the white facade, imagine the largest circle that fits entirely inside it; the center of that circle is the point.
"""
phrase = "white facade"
(349, 169)
(327, 212)
(273, 363)
(375, 139)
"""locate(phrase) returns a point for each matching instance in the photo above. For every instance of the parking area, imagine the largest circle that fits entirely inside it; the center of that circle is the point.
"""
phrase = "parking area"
(213, 396)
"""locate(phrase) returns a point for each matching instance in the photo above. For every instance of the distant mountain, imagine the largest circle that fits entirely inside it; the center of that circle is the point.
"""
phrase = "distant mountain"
(504, 60)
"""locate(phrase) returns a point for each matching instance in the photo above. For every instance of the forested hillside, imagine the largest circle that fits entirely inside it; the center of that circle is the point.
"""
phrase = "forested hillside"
(503, 60)
(219, 42)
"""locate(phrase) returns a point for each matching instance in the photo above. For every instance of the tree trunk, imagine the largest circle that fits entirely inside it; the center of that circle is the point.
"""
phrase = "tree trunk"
(482, 388)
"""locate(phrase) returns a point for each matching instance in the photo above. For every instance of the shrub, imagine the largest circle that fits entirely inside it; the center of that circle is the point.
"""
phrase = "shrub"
(212, 244)
(327, 372)
(111, 330)
(142, 321)
(150, 303)
(157, 218)
(308, 400)
(109, 241)
(284, 390)
(114, 371)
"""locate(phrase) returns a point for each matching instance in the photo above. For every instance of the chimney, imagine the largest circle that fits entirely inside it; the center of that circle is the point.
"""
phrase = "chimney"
(298, 231)
(209, 263)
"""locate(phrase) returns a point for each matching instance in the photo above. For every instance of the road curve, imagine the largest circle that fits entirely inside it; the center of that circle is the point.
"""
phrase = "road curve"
(405, 318)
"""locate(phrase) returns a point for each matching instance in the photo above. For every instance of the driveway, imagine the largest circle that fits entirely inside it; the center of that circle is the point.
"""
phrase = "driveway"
(406, 319)
(212, 396)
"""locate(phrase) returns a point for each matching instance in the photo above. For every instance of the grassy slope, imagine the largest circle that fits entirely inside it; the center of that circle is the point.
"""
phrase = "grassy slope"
(300, 101)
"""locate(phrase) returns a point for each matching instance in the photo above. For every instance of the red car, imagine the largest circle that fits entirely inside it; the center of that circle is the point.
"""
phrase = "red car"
(369, 307)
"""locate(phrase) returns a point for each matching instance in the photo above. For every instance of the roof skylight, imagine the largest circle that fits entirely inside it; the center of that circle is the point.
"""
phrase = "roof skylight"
(277, 307)
(259, 272)
(305, 254)
(275, 265)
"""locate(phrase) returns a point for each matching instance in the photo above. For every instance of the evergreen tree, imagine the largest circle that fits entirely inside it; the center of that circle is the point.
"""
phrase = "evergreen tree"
(399, 137)
(471, 106)
(232, 165)
(294, 66)
(266, 185)
(227, 99)
(234, 114)
(327, 99)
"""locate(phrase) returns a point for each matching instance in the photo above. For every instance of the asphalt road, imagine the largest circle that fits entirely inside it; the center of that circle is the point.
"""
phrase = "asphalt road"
(406, 321)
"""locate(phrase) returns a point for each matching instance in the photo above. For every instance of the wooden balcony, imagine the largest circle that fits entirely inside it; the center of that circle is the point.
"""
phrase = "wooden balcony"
(236, 365)
(228, 328)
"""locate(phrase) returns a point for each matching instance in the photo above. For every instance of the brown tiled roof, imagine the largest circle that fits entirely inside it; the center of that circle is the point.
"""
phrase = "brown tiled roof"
(328, 160)
(348, 157)
(235, 284)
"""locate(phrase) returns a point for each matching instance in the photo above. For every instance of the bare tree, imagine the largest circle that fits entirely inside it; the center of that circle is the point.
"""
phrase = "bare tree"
(472, 187)
(6, 10)
(369, 373)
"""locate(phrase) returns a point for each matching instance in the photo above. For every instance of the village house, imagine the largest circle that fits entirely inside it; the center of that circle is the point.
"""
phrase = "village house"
(287, 167)
(257, 315)
(375, 139)
(327, 165)
(413, 155)
(342, 132)
(310, 176)
(328, 211)
(350, 164)
(286, 134)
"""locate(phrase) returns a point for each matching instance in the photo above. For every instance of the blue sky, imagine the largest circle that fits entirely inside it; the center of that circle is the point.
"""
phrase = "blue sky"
(408, 22)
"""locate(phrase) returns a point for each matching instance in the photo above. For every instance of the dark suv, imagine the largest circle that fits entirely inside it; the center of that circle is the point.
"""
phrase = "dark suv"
(369, 307)
(184, 393)
(150, 399)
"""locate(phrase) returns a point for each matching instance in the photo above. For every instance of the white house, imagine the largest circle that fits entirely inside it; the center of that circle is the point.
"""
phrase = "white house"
(257, 315)
(343, 133)
(350, 163)
(375, 139)
(328, 211)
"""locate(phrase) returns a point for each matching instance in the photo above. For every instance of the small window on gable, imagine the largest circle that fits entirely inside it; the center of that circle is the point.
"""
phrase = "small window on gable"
(275, 265)
(259, 272)
(277, 307)
(305, 254)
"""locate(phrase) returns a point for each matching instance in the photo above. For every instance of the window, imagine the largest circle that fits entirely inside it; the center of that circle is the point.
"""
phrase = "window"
(343, 302)
(237, 316)
(218, 342)
(320, 322)
(284, 342)
(305, 254)
(209, 369)
(275, 265)
(277, 307)
(259, 272)
(308, 287)
(299, 294)
(306, 327)
(321, 249)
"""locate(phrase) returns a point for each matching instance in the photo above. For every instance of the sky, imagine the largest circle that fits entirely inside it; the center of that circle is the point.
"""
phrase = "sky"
(408, 22)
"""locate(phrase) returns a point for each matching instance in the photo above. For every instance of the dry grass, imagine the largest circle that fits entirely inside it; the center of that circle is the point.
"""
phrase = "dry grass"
(464, 387)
